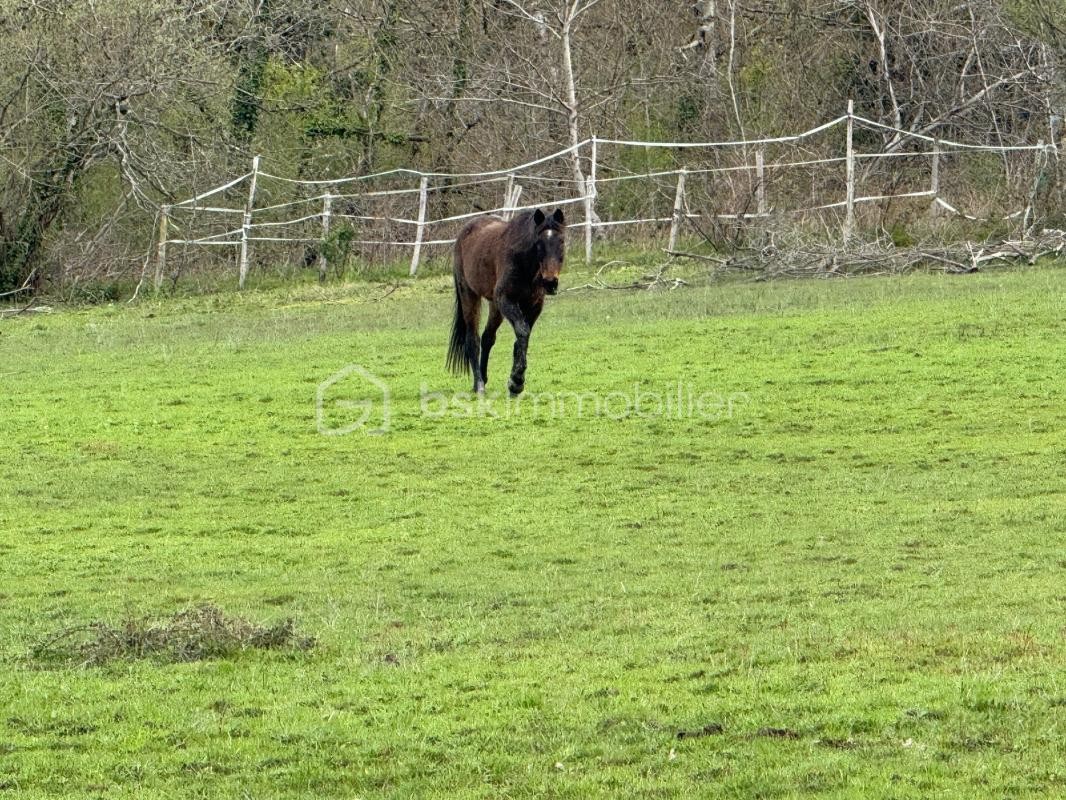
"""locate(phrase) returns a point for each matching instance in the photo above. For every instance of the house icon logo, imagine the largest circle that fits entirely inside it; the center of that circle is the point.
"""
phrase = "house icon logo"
(352, 399)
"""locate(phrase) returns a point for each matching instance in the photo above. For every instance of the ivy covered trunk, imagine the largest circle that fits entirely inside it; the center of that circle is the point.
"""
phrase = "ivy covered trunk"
(21, 239)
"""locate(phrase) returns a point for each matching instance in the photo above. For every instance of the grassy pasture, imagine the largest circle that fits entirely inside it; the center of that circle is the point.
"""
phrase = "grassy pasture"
(844, 575)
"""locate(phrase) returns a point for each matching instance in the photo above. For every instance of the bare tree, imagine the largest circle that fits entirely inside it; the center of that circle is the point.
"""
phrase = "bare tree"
(89, 92)
(705, 39)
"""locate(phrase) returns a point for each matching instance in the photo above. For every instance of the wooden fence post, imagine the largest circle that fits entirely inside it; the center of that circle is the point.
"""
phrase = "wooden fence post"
(510, 196)
(161, 246)
(507, 191)
(679, 207)
(516, 197)
(590, 199)
(934, 179)
(423, 195)
(849, 212)
(323, 259)
(760, 182)
(1040, 158)
(246, 226)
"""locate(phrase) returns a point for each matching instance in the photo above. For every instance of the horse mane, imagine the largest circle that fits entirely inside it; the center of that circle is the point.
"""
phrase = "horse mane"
(521, 234)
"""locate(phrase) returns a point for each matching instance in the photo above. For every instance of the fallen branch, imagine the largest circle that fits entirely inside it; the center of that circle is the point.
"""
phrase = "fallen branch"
(877, 258)
(28, 309)
(646, 282)
(697, 256)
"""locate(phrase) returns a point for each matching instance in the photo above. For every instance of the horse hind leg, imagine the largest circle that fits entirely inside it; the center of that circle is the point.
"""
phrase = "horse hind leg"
(488, 338)
(471, 316)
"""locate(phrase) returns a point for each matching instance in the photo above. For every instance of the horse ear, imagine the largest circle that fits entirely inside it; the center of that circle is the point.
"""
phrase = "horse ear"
(558, 216)
(538, 217)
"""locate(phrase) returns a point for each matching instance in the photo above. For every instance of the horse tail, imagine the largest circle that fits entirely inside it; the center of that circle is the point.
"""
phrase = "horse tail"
(457, 361)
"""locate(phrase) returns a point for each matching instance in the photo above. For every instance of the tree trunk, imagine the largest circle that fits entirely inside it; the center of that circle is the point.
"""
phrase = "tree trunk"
(573, 106)
(705, 40)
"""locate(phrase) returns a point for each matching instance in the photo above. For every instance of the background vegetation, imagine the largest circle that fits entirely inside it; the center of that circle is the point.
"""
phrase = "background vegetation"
(109, 108)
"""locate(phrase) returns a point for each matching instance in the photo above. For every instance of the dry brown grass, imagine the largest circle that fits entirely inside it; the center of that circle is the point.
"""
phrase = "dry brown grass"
(194, 634)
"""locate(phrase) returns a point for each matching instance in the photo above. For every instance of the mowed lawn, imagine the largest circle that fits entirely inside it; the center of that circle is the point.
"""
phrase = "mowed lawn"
(842, 574)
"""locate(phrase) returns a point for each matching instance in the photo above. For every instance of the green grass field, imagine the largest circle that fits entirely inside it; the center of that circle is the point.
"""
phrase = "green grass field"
(842, 575)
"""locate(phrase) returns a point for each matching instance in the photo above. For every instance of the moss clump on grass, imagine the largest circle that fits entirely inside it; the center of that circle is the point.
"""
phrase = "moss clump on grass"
(194, 634)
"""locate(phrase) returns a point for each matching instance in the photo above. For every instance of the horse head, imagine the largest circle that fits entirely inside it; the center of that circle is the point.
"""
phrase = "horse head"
(550, 248)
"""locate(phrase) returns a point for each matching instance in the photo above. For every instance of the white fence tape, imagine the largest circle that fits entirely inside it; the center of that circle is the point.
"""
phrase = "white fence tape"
(441, 182)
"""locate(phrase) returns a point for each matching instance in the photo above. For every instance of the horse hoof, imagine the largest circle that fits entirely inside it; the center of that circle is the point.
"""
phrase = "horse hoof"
(515, 388)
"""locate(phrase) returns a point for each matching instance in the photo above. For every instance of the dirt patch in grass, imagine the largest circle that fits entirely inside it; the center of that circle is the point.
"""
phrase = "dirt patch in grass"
(710, 729)
(194, 634)
(777, 733)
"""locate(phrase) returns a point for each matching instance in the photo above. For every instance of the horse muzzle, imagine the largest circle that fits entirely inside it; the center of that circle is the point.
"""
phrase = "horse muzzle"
(551, 285)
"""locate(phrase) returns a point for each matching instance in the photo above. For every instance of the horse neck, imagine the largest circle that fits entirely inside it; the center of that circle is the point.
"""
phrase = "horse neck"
(524, 264)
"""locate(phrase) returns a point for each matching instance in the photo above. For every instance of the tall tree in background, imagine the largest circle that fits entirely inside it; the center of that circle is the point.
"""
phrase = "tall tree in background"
(92, 86)
(556, 25)
(252, 53)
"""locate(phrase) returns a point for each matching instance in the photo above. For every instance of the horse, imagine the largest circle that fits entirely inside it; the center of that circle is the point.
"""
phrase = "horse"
(513, 265)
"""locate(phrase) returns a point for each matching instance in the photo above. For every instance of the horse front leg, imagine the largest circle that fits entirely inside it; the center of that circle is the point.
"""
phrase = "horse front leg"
(522, 322)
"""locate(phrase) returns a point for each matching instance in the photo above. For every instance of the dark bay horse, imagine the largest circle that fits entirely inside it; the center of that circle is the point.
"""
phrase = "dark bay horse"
(513, 265)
